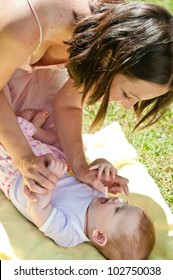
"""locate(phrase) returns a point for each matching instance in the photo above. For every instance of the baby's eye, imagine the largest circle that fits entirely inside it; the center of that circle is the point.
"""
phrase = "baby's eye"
(116, 209)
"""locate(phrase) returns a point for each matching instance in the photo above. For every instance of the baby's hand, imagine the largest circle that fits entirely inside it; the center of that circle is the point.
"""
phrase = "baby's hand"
(105, 168)
(58, 167)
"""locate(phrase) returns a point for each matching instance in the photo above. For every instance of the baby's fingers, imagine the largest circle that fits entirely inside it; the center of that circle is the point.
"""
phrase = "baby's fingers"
(113, 172)
(93, 167)
(99, 168)
(110, 171)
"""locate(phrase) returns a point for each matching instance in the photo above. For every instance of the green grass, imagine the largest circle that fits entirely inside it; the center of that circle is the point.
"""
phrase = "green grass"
(168, 4)
(154, 145)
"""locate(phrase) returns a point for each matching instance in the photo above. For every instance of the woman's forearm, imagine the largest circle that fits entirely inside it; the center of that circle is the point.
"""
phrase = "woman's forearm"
(68, 120)
(11, 136)
(70, 136)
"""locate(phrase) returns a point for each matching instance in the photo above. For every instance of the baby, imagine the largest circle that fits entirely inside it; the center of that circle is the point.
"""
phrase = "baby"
(73, 212)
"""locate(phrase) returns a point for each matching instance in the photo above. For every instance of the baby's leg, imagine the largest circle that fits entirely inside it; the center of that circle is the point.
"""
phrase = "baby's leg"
(44, 135)
(28, 114)
(38, 118)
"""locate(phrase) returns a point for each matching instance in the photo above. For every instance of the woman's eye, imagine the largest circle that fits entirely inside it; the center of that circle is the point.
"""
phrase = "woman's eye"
(125, 95)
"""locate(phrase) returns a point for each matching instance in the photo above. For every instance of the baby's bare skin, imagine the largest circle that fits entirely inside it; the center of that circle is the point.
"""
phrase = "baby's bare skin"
(38, 119)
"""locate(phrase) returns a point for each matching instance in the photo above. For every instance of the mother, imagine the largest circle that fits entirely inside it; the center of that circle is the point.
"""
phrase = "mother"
(113, 51)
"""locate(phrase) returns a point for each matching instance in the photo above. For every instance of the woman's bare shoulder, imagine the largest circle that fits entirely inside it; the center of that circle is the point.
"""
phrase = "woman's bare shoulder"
(78, 5)
(19, 36)
(16, 21)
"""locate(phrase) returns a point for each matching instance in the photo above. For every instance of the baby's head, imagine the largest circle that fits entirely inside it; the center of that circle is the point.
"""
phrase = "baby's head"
(120, 231)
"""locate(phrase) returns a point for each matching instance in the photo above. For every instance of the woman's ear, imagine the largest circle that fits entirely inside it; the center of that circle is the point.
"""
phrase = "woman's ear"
(99, 237)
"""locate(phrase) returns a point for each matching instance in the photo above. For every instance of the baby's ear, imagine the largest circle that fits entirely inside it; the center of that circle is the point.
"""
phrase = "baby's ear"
(99, 237)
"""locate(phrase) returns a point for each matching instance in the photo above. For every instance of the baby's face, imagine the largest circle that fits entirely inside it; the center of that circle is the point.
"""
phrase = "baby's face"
(112, 215)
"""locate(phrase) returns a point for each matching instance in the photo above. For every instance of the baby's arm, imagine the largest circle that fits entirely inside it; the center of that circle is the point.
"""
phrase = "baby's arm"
(40, 209)
(46, 136)
(43, 135)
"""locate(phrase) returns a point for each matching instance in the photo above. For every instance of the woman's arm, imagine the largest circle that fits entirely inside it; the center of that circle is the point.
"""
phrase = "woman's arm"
(68, 120)
(19, 37)
(11, 136)
(32, 168)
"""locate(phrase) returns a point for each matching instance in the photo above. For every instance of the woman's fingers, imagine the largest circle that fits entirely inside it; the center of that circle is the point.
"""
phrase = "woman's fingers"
(35, 180)
(120, 185)
(124, 184)
(45, 161)
(35, 187)
(113, 172)
(98, 185)
(36, 173)
(30, 195)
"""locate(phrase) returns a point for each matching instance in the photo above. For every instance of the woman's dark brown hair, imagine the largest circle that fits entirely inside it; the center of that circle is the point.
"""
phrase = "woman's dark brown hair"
(135, 39)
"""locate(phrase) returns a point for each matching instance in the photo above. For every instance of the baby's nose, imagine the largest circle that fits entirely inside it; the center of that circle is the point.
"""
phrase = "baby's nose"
(119, 200)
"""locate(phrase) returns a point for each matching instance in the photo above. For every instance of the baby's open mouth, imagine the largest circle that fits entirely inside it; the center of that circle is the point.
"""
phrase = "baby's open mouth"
(103, 200)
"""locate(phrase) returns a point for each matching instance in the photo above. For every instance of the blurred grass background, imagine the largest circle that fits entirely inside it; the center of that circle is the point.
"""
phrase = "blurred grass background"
(154, 145)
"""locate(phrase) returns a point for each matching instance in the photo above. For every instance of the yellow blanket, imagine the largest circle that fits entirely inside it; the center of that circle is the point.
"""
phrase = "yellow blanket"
(19, 239)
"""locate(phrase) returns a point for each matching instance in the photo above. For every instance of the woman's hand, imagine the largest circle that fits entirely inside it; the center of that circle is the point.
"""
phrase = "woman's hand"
(36, 174)
(89, 177)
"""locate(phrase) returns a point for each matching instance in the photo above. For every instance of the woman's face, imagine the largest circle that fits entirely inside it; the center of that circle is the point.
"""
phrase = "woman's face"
(129, 91)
